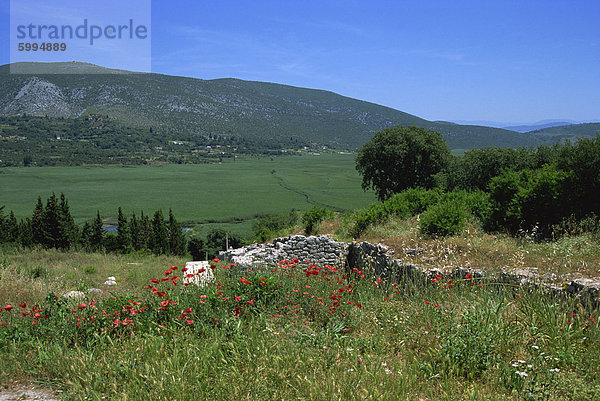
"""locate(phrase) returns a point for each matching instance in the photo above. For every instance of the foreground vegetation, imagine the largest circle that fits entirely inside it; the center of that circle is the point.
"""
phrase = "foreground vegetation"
(295, 332)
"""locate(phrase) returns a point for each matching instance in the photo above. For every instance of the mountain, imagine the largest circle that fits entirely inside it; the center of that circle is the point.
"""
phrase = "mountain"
(228, 108)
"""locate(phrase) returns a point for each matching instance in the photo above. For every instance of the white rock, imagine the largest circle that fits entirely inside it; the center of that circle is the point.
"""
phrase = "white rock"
(74, 295)
(200, 272)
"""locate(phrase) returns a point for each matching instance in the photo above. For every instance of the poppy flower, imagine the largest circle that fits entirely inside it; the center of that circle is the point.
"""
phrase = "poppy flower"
(23, 305)
(8, 308)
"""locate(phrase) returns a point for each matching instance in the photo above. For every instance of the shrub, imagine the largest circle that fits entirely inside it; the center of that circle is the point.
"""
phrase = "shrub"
(528, 198)
(271, 226)
(443, 219)
(313, 217)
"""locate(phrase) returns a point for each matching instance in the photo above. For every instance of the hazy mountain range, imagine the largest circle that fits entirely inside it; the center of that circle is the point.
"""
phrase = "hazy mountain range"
(231, 107)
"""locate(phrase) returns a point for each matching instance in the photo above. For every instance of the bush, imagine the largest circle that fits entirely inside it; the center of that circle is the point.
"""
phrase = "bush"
(443, 219)
(271, 226)
(405, 204)
(313, 217)
(529, 198)
(196, 248)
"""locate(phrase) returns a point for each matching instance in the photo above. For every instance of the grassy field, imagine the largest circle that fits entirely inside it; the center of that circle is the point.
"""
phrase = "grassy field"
(286, 335)
(196, 193)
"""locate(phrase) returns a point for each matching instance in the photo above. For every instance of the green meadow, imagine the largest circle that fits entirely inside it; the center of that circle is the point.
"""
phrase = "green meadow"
(210, 193)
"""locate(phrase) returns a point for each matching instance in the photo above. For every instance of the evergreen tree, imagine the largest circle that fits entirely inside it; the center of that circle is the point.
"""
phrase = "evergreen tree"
(123, 234)
(3, 226)
(86, 236)
(37, 231)
(12, 228)
(160, 237)
(51, 230)
(176, 238)
(97, 233)
(134, 232)
(68, 232)
(26, 233)
(145, 232)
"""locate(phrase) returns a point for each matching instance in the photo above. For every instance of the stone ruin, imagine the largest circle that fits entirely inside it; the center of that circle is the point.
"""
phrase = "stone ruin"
(378, 261)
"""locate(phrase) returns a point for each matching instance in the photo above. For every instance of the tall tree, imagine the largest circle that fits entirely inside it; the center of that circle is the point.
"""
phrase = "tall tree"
(26, 233)
(401, 157)
(51, 223)
(176, 238)
(160, 238)
(97, 233)
(68, 232)
(145, 231)
(12, 228)
(123, 233)
(134, 232)
(37, 229)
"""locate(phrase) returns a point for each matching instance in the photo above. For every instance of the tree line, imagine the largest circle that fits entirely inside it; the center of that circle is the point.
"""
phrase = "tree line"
(52, 226)
(521, 189)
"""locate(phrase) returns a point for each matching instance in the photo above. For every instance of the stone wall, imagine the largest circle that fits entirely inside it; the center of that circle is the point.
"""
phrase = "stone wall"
(378, 261)
(321, 250)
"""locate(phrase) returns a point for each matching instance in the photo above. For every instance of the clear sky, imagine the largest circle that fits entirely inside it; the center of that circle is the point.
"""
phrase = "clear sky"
(501, 60)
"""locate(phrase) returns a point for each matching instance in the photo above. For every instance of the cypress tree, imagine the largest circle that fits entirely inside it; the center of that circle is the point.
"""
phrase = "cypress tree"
(86, 236)
(26, 233)
(68, 232)
(97, 233)
(123, 234)
(160, 237)
(3, 226)
(145, 232)
(134, 232)
(176, 238)
(51, 229)
(37, 231)
(12, 228)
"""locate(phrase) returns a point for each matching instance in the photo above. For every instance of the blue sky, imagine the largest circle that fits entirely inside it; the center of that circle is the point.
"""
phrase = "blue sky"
(502, 60)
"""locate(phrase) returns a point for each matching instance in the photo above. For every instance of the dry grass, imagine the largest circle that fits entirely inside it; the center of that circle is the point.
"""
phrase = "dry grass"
(31, 274)
(567, 258)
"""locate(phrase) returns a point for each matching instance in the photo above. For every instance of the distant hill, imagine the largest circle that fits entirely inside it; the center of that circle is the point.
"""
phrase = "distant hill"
(572, 132)
(538, 126)
(256, 111)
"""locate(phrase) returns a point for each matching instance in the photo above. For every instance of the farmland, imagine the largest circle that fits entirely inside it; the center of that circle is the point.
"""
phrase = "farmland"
(209, 193)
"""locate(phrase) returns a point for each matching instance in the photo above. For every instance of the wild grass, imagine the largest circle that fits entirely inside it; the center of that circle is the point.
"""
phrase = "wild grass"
(300, 332)
(567, 257)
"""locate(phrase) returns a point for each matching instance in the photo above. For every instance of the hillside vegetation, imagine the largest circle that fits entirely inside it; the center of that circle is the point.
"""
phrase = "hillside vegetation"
(188, 108)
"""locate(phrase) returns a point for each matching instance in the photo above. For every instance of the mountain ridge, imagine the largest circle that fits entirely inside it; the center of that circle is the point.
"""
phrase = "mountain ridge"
(228, 107)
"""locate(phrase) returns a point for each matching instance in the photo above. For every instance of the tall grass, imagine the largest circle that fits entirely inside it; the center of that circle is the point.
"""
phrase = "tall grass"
(301, 331)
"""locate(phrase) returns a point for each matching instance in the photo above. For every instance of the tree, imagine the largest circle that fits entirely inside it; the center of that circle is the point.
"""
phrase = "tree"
(160, 237)
(401, 157)
(97, 233)
(218, 238)
(68, 232)
(51, 224)
(196, 248)
(123, 233)
(37, 232)
(176, 238)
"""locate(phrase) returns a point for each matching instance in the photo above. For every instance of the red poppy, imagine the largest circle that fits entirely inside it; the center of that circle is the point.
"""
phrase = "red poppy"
(468, 276)
(8, 308)
(23, 305)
